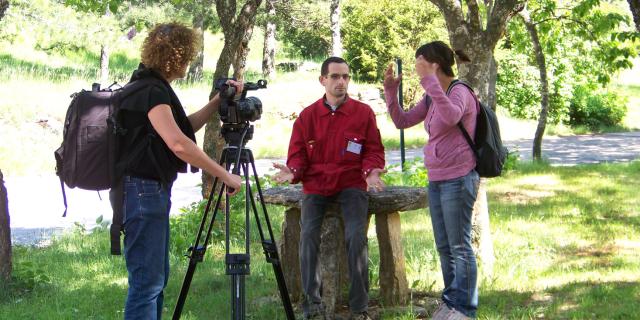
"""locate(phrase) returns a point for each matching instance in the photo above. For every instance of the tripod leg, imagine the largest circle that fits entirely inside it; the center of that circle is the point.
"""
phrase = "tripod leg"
(197, 251)
(238, 265)
(269, 245)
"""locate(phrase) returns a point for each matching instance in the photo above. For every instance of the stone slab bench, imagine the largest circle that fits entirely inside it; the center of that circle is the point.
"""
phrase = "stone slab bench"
(385, 206)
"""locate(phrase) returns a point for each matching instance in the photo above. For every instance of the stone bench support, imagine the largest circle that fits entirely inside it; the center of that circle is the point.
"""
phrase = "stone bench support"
(385, 206)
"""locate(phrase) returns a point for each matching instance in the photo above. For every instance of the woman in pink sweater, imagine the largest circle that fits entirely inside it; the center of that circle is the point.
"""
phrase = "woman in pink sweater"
(453, 182)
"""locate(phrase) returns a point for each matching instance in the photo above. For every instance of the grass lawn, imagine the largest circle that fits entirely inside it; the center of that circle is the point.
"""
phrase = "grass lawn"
(566, 241)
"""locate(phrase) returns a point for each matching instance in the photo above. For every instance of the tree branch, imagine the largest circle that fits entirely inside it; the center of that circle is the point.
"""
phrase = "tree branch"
(474, 15)
(501, 13)
(453, 15)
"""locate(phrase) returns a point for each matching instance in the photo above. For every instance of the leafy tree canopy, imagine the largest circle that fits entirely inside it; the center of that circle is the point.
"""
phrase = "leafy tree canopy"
(377, 31)
(584, 47)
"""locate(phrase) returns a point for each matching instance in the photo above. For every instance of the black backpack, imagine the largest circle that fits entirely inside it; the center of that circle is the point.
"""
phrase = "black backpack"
(87, 156)
(490, 153)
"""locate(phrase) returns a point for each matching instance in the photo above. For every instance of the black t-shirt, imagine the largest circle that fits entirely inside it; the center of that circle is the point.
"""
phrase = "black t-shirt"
(143, 153)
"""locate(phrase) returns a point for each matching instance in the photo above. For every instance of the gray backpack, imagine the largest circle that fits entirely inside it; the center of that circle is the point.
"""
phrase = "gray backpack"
(87, 156)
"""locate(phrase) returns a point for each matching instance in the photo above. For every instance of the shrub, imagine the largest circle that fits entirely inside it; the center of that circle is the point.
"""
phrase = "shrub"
(596, 109)
(304, 29)
(378, 31)
(414, 174)
(517, 87)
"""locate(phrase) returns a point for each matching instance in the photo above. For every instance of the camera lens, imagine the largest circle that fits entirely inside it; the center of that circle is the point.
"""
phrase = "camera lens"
(250, 109)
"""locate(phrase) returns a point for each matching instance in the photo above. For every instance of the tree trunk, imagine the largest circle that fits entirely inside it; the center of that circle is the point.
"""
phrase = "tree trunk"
(242, 51)
(5, 234)
(104, 65)
(237, 32)
(492, 99)
(269, 52)
(104, 58)
(544, 84)
(468, 32)
(196, 67)
(336, 40)
(634, 5)
(4, 5)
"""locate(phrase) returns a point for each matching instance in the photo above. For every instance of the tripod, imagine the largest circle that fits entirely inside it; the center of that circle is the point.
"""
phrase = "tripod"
(237, 264)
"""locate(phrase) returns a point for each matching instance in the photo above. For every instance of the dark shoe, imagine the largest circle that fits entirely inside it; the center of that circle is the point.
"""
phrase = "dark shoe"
(316, 312)
(360, 316)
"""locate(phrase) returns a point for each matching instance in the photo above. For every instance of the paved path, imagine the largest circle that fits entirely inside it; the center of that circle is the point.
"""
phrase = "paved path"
(35, 203)
(569, 150)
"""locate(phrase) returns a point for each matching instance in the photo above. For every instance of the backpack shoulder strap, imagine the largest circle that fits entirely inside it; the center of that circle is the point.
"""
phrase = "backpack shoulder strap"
(464, 131)
(116, 198)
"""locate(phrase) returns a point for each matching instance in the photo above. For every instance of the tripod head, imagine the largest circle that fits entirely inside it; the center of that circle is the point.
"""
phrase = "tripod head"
(236, 134)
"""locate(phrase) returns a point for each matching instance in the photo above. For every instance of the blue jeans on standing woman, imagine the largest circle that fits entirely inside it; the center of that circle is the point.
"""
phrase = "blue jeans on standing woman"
(146, 245)
(451, 205)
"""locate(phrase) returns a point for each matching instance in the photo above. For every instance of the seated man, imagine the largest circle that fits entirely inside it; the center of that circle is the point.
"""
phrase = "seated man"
(336, 152)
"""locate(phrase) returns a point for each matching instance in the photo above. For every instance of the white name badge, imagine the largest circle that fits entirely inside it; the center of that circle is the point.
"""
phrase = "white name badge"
(354, 147)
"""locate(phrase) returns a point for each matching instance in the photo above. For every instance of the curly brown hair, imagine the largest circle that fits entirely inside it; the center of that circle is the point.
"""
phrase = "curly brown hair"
(169, 48)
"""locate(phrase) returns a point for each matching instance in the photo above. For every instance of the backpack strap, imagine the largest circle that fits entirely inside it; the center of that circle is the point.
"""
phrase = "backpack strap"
(64, 197)
(460, 125)
(116, 197)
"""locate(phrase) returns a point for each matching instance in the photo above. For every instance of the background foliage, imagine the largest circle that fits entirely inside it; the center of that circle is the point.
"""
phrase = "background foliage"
(377, 32)
(584, 45)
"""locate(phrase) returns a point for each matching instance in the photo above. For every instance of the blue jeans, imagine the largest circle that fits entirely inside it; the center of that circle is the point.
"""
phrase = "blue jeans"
(146, 246)
(451, 205)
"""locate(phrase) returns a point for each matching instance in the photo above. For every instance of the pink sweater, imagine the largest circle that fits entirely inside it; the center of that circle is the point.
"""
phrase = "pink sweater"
(447, 154)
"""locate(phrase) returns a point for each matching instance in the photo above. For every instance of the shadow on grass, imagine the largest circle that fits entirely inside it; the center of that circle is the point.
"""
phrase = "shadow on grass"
(77, 278)
(578, 300)
(595, 212)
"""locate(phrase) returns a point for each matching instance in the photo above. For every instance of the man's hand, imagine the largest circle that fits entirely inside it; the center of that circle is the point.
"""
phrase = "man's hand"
(374, 183)
(284, 175)
(425, 68)
(233, 182)
(389, 79)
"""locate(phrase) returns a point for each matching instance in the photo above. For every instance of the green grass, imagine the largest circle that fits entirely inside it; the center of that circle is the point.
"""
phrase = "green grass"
(566, 243)
(632, 119)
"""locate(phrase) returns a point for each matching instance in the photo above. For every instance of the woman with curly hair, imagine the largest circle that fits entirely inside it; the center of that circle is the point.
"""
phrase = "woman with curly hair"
(159, 142)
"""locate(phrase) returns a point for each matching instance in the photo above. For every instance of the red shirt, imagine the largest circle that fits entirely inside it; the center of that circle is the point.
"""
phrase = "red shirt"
(333, 150)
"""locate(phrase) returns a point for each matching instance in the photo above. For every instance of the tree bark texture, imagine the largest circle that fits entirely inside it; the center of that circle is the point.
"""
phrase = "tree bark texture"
(5, 234)
(196, 66)
(269, 51)
(492, 98)
(336, 39)
(478, 38)
(237, 32)
(4, 5)
(634, 5)
(544, 84)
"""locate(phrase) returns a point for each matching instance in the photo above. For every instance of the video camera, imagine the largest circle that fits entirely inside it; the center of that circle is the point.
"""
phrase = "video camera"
(244, 109)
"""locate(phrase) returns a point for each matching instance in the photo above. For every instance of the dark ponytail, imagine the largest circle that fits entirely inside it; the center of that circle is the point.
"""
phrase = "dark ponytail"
(440, 53)
(463, 57)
